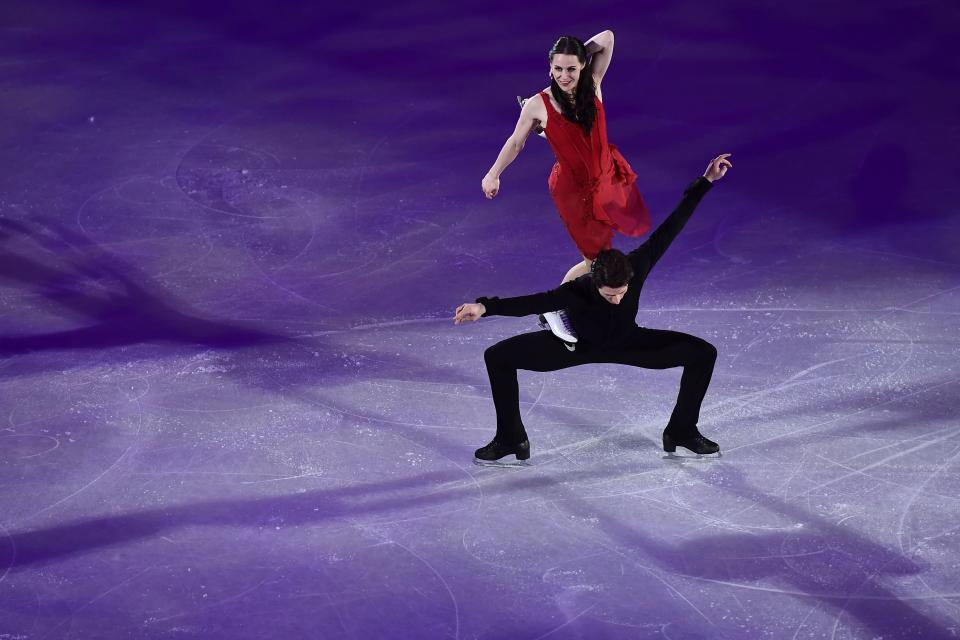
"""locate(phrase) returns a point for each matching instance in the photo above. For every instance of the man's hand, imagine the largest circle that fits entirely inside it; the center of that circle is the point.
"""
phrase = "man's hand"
(717, 167)
(469, 311)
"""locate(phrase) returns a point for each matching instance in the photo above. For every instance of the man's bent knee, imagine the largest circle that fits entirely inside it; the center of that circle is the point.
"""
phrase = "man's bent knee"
(496, 355)
(703, 352)
(709, 351)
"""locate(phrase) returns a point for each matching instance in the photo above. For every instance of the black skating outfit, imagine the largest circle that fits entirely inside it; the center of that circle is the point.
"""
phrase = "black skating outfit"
(607, 333)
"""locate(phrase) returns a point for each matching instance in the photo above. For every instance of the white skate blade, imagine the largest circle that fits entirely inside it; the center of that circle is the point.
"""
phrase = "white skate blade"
(690, 456)
(518, 464)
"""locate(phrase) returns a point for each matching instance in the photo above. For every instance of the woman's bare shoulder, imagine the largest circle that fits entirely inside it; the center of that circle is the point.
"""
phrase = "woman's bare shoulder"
(537, 104)
(546, 98)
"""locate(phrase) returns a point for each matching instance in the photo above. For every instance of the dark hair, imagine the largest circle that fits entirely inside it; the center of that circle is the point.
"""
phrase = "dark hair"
(583, 111)
(611, 268)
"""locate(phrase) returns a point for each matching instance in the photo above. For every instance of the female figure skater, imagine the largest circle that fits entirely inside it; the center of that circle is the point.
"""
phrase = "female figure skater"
(592, 185)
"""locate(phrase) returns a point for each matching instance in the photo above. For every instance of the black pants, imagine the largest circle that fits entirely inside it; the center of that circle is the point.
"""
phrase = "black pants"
(647, 348)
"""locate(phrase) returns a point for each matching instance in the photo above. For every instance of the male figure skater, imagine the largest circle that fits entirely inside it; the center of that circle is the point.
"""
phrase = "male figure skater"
(602, 307)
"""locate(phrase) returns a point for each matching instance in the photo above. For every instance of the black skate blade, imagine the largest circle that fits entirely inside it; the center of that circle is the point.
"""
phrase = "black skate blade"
(519, 464)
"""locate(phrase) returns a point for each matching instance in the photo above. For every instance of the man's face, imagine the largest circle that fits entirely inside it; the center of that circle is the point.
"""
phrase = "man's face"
(613, 295)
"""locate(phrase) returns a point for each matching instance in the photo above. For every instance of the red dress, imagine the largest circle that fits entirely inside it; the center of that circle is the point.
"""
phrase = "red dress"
(592, 185)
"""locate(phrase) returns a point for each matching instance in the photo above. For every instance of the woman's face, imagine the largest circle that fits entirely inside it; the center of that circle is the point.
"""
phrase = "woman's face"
(565, 69)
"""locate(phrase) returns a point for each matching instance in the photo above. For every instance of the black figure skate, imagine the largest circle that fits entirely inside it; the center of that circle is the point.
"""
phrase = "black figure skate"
(692, 441)
(490, 454)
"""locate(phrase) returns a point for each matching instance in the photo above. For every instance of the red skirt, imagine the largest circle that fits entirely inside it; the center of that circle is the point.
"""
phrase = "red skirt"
(592, 211)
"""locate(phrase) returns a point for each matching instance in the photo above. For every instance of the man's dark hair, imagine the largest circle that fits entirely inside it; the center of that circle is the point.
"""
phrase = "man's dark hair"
(611, 268)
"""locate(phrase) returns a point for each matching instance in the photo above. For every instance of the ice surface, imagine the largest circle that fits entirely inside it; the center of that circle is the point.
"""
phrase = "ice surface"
(235, 406)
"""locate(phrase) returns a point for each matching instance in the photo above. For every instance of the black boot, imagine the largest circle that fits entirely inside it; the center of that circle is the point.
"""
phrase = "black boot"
(693, 441)
(496, 450)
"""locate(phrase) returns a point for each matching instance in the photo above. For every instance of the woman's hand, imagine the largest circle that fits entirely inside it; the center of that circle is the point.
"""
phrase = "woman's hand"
(469, 311)
(490, 186)
(717, 167)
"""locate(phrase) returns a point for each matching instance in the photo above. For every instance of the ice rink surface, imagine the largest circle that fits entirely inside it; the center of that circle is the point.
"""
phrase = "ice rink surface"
(234, 404)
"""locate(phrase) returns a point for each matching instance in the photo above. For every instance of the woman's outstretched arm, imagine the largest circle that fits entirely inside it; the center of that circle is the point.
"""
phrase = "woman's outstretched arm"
(511, 148)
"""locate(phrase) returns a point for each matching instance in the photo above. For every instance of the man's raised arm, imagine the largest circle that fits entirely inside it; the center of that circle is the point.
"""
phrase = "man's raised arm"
(646, 255)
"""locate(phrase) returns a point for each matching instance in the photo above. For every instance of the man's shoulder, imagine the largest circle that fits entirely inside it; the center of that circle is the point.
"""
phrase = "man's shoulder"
(582, 288)
(582, 283)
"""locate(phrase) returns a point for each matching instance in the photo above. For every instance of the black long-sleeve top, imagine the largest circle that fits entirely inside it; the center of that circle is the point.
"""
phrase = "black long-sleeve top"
(596, 321)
